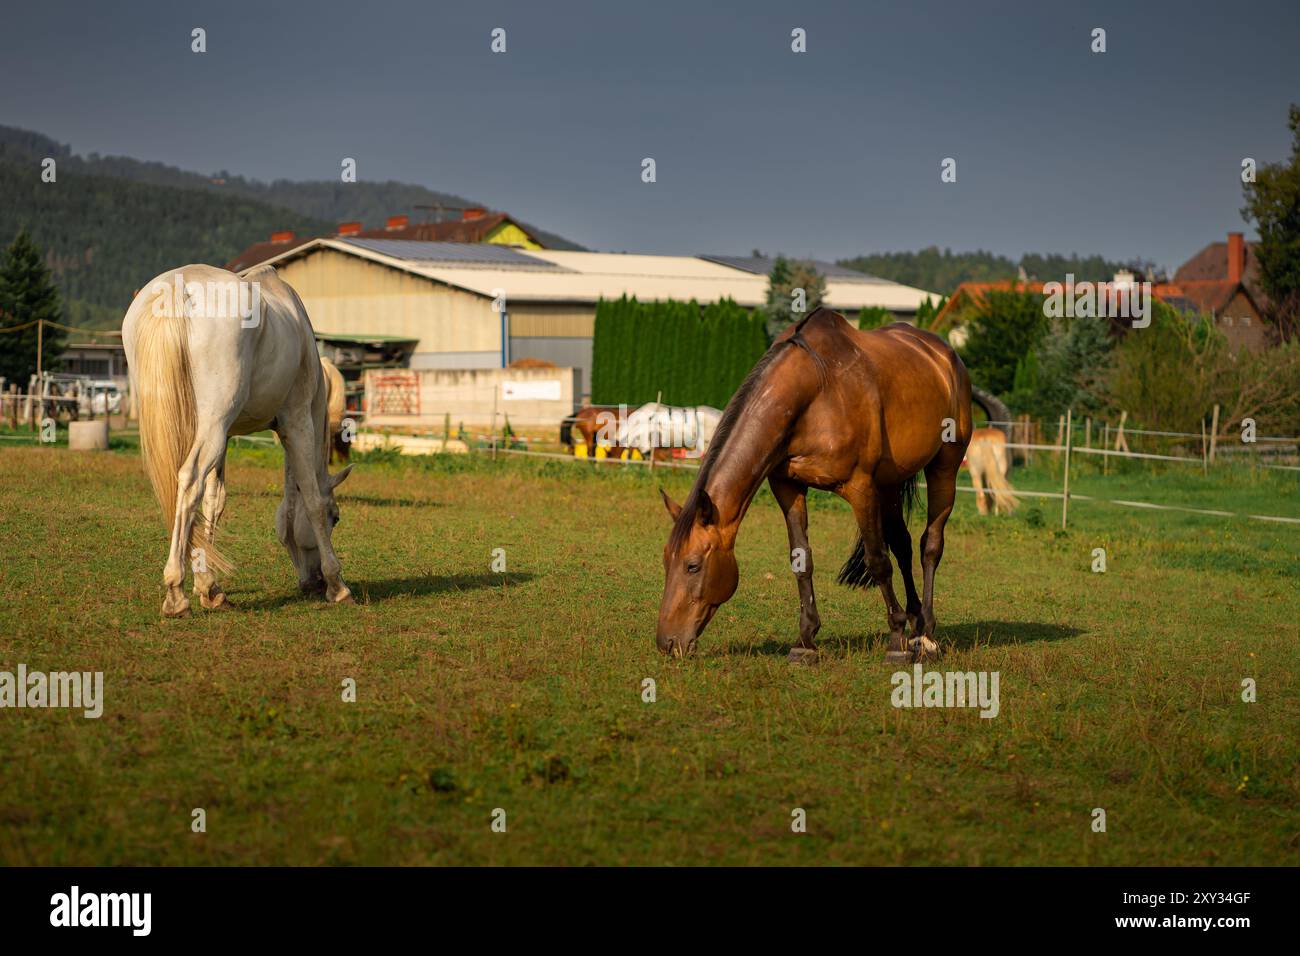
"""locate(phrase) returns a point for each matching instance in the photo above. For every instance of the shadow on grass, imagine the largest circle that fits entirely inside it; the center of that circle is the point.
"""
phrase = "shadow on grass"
(345, 499)
(369, 592)
(961, 637)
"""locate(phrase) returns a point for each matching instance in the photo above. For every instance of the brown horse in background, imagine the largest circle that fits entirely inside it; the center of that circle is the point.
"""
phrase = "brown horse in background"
(828, 407)
(598, 421)
(594, 425)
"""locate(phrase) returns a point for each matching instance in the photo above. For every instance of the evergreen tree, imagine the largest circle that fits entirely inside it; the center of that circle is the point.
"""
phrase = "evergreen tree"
(1273, 202)
(874, 317)
(27, 293)
(1006, 326)
(784, 280)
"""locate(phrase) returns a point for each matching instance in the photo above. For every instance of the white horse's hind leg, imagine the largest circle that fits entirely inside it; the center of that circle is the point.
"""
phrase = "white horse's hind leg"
(191, 479)
(214, 503)
(300, 453)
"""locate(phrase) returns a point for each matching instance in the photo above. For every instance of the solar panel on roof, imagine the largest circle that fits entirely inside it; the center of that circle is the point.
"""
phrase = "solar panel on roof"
(762, 265)
(460, 253)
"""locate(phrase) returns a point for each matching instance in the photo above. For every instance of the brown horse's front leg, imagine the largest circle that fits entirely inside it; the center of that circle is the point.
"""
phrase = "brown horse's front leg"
(793, 499)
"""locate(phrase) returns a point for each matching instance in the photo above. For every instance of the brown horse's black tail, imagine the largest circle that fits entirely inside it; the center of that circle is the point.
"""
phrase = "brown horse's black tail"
(855, 573)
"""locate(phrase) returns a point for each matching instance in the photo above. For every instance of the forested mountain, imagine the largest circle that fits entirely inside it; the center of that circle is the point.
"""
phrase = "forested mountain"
(942, 271)
(109, 224)
(104, 238)
(330, 200)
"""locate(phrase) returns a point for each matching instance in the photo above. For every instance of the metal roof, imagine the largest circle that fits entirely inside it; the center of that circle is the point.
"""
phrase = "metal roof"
(586, 277)
(460, 253)
(762, 265)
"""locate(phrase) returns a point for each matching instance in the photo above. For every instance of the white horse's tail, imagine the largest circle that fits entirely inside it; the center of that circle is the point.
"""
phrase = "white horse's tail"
(987, 457)
(164, 386)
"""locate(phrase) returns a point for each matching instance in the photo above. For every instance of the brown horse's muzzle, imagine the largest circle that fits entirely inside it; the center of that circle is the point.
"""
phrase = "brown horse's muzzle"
(683, 646)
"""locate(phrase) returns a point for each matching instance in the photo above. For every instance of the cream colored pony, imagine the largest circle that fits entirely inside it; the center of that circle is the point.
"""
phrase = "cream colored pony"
(337, 408)
(987, 459)
(212, 354)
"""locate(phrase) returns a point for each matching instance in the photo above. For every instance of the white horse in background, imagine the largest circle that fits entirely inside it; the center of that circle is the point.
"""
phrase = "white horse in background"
(212, 354)
(654, 425)
(988, 461)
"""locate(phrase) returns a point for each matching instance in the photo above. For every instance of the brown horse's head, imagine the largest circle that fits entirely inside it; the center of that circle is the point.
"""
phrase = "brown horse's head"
(700, 573)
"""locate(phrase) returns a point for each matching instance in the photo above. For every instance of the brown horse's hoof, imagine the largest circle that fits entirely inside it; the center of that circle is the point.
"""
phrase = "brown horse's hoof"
(803, 655)
(898, 657)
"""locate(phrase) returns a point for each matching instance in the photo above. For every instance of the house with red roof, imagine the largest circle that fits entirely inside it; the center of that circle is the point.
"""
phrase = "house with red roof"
(475, 224)
(1221, 281)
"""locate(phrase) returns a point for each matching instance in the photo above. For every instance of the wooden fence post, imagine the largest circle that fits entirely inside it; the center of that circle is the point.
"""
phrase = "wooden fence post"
(1105, 446)
(659, 398)
(1065, 495)
(1205, 451)
(1214, 432)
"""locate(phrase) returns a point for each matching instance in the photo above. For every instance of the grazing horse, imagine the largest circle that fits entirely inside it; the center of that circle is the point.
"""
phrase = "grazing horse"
(834, 408)
(654, 425)
(337, 404)
(615, 428)
(987, 460)
(230, 356)
(592, 422)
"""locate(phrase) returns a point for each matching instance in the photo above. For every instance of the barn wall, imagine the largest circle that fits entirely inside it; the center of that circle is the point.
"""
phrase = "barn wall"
(410, 399)
(511, 235)
(348, 295)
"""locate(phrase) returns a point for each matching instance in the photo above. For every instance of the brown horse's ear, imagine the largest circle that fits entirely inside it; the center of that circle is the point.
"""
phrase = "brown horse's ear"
(707, 513)
(673, 507)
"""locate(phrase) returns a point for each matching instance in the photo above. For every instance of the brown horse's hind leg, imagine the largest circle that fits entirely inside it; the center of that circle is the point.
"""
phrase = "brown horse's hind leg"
(793, 500)
(866, 502)
(941, 492)
(900, 543)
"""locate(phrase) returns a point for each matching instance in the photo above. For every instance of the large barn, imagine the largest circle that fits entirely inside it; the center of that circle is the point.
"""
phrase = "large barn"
(446, 295)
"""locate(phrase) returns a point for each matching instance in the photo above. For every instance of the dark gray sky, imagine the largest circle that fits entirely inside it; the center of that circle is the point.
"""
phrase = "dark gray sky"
(1135, 152)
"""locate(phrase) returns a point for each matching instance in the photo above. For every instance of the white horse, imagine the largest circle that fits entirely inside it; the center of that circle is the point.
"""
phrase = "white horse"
(988, 461)
(212, 354)
(654, 425)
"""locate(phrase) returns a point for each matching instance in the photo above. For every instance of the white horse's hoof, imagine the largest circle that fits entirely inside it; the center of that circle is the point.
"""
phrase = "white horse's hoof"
(343, 596)
(923, 648)
(218, 602)
(179, 608)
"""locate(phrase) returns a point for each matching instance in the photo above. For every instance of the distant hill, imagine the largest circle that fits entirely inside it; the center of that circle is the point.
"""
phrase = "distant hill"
(942, 271)
(110, 223)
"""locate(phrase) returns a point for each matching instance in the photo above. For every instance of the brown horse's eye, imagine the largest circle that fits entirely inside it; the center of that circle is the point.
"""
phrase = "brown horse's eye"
(692, 567)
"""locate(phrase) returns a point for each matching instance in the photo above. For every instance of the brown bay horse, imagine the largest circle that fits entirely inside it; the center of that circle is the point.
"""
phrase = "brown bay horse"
(860, 414)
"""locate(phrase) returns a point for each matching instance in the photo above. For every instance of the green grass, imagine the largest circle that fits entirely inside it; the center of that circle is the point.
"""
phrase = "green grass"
(523, 692)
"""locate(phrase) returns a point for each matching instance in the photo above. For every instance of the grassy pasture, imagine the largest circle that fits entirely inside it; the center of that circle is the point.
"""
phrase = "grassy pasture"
(522, 691)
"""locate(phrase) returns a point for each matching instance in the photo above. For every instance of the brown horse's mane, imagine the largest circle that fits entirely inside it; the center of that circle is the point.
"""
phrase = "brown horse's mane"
(726, 425)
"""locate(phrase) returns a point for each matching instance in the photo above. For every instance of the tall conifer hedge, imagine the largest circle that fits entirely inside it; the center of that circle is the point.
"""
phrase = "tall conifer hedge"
(695, 355)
